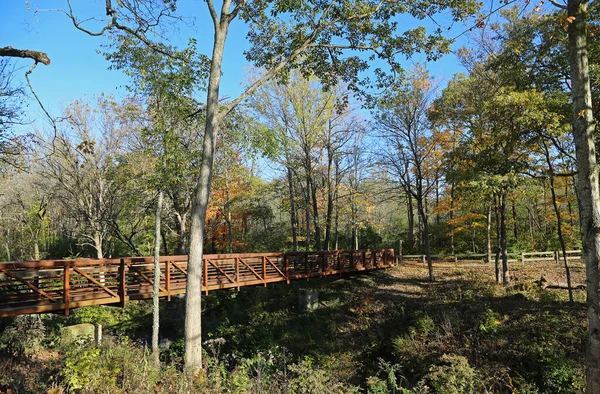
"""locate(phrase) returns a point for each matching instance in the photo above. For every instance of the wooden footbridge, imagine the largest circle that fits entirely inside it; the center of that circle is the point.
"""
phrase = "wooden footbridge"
(60, 285)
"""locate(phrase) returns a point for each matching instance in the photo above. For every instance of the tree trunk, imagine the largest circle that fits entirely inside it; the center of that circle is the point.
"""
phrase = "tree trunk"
(7, 245)
(307, 215)
(313, 192)
(98, 244)
(36, 248)
(452, 219)
(561, 238)
(498, 248)
(193, 306)
(588, 190)
(228, 215)
(329, 213)
(437, 200)
(411, 224)
(180, 228)
(514, 217)
(503, 241)
(488, 233)
(156, 284)
(292, 209)
(425, 238)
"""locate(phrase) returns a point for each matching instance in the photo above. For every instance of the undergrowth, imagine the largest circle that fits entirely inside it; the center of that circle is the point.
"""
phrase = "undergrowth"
(383, 332)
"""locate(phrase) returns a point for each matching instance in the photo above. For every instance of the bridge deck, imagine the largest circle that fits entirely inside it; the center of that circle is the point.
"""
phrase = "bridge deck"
(60, 285)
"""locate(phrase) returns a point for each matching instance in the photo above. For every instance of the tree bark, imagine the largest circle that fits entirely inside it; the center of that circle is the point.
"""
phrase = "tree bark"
(40, 57)
(411, 223)
(503, 240)
(315, 206)
(498, 247)
(452, 219)
(561, 238)
(425, 237)
(156, 284)
(36, 248)
(98, 244)
(514, 217)
(488, 233)
(329, 213)
(307, 216)
(228, 215)
(588, 189)
(193, 311)
(292, 209)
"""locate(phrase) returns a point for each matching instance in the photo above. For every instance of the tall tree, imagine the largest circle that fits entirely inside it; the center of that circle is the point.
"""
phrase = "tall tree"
(309, 36)
(413, 148)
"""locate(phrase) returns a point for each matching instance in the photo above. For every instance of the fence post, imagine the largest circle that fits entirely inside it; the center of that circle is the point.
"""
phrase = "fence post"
(286, 258)
(168, 279)
(205, 275)
(423, 259)
(556, 256)
(237, 273)
(306, 271)
(66, 286)
(122, 283)
(523, 259)
(264, 267)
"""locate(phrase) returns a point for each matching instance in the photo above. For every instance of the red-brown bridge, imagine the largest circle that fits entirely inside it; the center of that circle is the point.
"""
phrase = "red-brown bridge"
(60, 285)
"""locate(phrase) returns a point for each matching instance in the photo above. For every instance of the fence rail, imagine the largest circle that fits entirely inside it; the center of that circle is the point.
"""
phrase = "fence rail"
(61, 285)
(523, 257)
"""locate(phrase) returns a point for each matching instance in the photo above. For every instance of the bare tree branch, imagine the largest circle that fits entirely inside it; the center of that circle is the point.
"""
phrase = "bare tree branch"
(39, 57)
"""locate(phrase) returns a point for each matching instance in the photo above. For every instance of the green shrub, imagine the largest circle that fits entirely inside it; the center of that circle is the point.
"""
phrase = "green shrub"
(490, 322)
(310, 379)
(108, 368)
(23, 337)
(423, 324)
(555, 373)
(455, 376)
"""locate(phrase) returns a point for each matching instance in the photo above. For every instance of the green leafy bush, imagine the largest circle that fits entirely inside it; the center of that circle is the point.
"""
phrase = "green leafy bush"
(108, 368)
(454, 376)
(23, 337)
(490, 322)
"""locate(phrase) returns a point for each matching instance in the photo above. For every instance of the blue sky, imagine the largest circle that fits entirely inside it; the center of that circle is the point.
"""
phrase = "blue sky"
(77, 70)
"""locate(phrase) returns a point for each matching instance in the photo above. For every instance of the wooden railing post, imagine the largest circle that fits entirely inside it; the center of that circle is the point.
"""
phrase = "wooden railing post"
(205, 275)
(168, 279)
(122, 283)
(286, 259)
(66, 286)
(364, 259)
(523, 259)
(237, 273)
(306, 263)
(264, 267)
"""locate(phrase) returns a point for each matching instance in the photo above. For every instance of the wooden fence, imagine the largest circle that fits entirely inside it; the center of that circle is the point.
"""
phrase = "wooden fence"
(60, 285)
(523, 257)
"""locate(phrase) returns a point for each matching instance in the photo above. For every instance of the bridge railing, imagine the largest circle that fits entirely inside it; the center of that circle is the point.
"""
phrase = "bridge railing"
(60, 285)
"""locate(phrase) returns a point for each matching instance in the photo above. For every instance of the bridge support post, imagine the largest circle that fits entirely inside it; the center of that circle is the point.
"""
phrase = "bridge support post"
(122, 282)
(66, 287)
